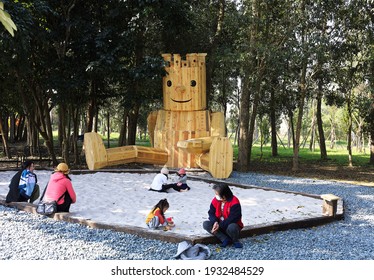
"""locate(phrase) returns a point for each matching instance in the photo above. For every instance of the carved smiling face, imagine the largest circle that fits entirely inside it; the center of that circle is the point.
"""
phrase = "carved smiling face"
(184, 87)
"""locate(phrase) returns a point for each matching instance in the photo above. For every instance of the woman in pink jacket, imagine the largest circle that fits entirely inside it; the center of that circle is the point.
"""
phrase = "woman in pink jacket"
(60, 188)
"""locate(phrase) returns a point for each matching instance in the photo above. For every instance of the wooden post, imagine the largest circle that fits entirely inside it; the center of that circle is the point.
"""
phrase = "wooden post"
(330, 204)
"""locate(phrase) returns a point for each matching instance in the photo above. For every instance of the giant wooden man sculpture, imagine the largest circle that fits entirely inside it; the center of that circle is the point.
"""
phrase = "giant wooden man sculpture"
(183, 134)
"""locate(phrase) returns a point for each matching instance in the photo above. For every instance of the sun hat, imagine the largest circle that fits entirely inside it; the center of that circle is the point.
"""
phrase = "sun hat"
(165, 171)
(62, 167)
(182, 171)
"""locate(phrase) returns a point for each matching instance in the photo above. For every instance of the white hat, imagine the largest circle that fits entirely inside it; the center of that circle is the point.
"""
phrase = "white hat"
(165, 170)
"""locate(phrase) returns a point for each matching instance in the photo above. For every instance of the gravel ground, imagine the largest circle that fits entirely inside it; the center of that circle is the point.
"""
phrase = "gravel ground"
(25, 236)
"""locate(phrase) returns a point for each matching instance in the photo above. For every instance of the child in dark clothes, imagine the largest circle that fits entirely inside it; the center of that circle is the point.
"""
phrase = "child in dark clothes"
(181, 184)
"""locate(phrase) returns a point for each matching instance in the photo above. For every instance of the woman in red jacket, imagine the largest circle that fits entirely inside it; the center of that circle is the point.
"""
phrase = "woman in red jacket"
(60, 188)
(225, 216)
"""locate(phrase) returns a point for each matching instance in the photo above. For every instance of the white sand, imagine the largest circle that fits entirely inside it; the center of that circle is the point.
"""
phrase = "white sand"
(124, 199)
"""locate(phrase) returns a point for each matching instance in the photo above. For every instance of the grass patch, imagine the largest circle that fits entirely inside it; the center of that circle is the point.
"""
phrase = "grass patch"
(335, 156)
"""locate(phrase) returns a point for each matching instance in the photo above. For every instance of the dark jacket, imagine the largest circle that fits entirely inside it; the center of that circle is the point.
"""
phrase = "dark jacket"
(13, 194)
(14, 191)
(232, 212)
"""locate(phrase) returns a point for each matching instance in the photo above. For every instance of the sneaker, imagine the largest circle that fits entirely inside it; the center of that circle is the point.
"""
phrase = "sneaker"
(225, 242)
(238, 244)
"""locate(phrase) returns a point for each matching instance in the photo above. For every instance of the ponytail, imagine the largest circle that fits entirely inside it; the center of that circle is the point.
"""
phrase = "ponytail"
(163, 203)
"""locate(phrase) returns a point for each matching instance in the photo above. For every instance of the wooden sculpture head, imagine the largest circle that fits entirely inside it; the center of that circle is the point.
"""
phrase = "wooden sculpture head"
(184, 87)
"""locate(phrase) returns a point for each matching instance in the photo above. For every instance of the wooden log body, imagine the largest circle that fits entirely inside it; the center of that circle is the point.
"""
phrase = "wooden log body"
(173, 126)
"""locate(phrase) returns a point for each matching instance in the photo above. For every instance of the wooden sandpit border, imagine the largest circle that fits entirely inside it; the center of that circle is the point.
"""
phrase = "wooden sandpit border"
(172, 237)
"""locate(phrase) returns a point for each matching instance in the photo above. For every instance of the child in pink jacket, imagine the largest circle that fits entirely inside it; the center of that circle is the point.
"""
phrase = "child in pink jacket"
(60, 188)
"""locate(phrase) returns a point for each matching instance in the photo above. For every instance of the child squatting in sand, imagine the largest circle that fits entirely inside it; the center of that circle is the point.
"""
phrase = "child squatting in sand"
(156, 218)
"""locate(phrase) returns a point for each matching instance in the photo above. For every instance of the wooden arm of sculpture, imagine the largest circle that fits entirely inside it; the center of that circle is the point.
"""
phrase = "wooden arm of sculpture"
(215, 154)
(202, 144)
(196, 145)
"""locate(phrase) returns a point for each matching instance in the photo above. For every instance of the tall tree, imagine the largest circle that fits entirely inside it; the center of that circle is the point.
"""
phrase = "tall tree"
(349, 60)
(302, 88)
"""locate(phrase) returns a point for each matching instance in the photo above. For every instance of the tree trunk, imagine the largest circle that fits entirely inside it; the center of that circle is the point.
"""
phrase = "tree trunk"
(91, 109)
(65, 116)
(133, 120)
(359, 134)
(20, 125)
(273, 124)
(289, 132)
(262, 133)
(371, 114)
(322, 141)
(96, 120)
(371, 147)
(122, 137)
(349, 132)
(4, 138)
(12, 127)
(243, 156)
(291, 129)
(312, 131)
(252, 122)
(60, 129)
(108, 128)
(302, 90)
(74, 139)
(302, 94)
(253, 69)
(371, 127)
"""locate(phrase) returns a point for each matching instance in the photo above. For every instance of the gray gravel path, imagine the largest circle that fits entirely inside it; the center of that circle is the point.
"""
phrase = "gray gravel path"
(25, 236)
